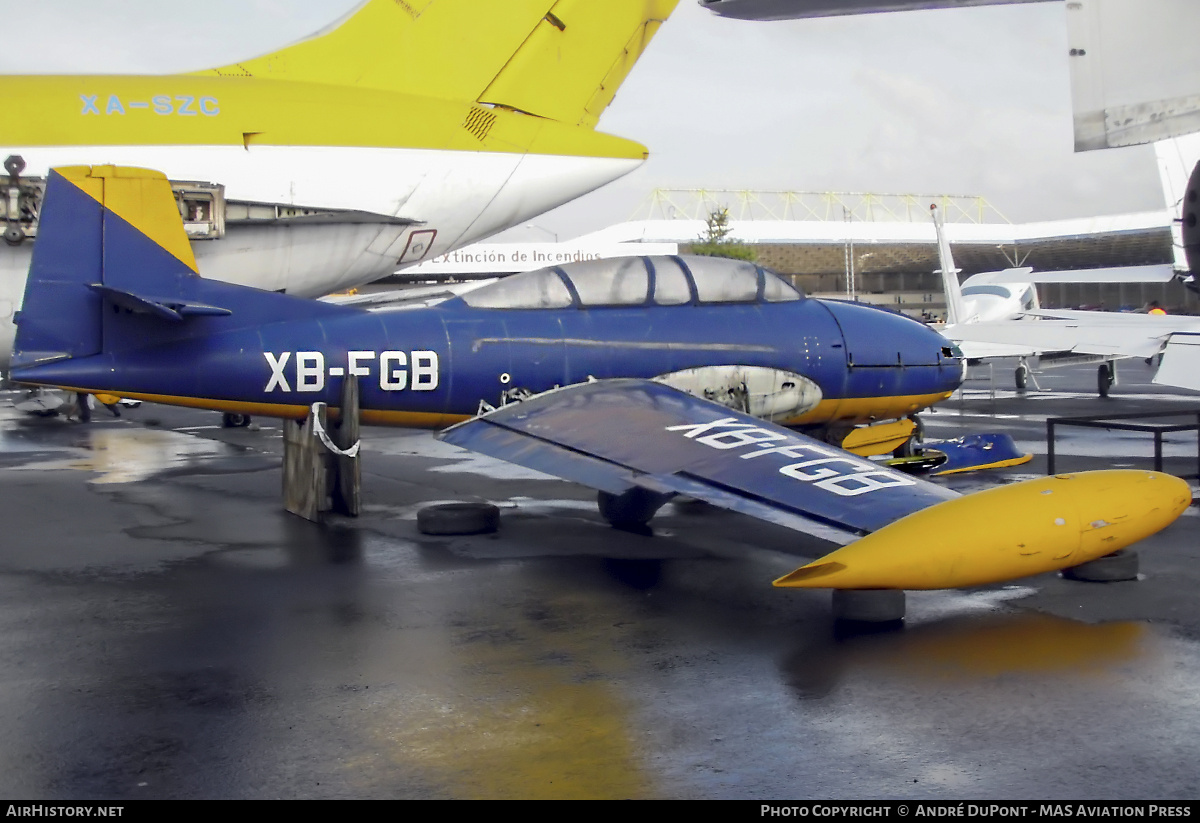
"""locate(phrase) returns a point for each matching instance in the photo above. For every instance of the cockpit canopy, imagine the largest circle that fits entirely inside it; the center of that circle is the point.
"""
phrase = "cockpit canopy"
(636, 281)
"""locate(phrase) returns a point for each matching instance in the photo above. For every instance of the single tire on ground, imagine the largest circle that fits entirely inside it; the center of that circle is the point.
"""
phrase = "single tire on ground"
(1111, 568)
(458, 518)
(1104, 378)
(632, 509)
(690, 505)
(232, 420)
(1021, 377)
(869, 605)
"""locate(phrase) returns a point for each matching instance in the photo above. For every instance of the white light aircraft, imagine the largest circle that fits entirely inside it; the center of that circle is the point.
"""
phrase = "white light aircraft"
(996, 314)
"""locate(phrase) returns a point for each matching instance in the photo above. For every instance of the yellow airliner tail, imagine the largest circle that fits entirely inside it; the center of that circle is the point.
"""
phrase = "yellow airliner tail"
(558, 59)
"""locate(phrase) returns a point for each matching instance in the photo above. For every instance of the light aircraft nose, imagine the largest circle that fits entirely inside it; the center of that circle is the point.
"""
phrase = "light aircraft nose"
(876, 337)
(1005, 533)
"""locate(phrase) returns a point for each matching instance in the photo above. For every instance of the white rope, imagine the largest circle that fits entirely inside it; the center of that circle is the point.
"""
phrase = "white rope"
(319, 431)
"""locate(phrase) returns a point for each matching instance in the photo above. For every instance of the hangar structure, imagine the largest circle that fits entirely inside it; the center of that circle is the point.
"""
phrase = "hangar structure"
(882, 248)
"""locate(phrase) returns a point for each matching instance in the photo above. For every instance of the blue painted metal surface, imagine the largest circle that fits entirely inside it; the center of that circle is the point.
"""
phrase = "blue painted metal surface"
(977, 451)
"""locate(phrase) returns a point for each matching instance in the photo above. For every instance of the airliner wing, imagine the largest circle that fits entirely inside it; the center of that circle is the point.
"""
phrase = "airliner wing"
(614, 435)
(800, 9)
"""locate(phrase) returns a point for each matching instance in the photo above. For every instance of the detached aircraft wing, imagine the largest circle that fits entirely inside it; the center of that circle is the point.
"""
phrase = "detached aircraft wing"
(620, 436)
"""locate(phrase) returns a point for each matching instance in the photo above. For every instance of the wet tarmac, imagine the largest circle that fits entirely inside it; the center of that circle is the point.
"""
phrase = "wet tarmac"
(166, 631)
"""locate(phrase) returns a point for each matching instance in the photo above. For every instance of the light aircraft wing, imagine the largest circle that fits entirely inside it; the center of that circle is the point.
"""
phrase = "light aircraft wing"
(1107, 334)
(1152, 323)
(1163, 273)
(985, 349)
(618, 435)
(614, 435)
(1181, 362)
(1121, 337)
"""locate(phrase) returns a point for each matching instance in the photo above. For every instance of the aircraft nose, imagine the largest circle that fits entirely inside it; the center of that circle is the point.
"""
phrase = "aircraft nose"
(877, 337)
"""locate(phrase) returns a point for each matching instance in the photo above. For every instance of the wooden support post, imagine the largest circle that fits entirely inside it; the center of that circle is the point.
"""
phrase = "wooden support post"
(346, 482)
(320, 463)
(304, 470)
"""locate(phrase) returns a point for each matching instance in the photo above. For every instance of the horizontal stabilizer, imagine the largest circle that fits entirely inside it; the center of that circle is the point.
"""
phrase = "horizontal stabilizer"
(166, 308)
(614, 435)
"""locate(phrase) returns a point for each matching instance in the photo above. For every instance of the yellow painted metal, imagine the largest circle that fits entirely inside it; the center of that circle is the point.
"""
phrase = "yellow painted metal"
(137, 196)
(287, 411)
(394, 73)
(453, 74)
(881, 438)
(999, 464)
(449, 49)
(1005, 533)
(574, 61)
(866, 409)
(247, 113)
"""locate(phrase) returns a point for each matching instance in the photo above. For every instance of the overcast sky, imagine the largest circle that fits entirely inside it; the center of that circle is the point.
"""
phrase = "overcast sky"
(966, 101)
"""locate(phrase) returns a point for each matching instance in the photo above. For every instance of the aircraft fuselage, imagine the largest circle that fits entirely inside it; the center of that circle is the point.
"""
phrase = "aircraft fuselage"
(433, 366)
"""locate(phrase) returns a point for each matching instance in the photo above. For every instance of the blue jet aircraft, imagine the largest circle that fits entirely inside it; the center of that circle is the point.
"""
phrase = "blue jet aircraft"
(597, 355)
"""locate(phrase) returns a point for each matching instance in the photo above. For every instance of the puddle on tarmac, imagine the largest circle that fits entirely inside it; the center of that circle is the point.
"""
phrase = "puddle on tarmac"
(424, 444)
(127, 455)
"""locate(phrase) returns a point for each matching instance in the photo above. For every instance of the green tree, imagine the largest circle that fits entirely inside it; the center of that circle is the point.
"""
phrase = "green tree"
(716, 242)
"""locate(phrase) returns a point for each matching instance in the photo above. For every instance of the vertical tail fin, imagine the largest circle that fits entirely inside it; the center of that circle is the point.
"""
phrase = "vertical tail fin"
(558, 59)
(101, 229)
(113, 271)
(955, 310)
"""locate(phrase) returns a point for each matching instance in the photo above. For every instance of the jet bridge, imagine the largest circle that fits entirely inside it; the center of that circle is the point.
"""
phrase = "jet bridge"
(203, 206)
